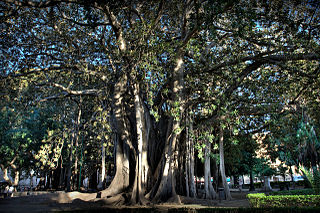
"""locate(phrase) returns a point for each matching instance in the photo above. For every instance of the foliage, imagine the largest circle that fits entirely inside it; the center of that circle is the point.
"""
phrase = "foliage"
(294, 192)
(309, 144)
(282, 142)
(248, 160)
(21, 135)
(51, 149)
(313, 177)
(295, 142)
(254, 199)
(255, 210)
(261, 200)
(262, 168)
(256, 185)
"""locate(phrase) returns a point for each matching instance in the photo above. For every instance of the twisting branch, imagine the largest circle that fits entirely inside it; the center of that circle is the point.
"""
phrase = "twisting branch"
(53, 97)
(26, 72)
(93, 92)
(38, 4)
(94, 24)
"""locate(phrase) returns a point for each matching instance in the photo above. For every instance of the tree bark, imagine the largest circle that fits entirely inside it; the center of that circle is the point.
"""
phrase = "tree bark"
(266, 184)
(69, 172)
(103, 167)
(222, 168)
(292, 178)
(93, 183)
(251, 182)
(193, 191)
(141, 170)
(208, 188)
(166, 188)
(190, 182)
(5, 175)
(187, 160)
(15, 168)
(120, 182)
(76, 143)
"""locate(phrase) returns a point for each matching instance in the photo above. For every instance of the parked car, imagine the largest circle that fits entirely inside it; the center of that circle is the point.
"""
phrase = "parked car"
(298, 178)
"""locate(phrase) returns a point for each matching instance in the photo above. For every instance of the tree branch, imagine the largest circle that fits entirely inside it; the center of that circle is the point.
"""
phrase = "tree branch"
(26, 72)
(93, 92)
(39, 4)
(95, 24)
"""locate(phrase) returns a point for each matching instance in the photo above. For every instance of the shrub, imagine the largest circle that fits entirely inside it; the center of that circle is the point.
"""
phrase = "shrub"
(313, 177)
(300, 183)
(247, 210)
(294, 192)
(280, 184)
(255, 199)
(261, 200)
(258, 185)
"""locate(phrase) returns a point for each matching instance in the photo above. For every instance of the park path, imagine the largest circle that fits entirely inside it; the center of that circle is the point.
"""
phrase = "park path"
(61, 202)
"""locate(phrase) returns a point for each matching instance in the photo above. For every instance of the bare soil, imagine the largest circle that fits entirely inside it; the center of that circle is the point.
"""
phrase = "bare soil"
(61, 201)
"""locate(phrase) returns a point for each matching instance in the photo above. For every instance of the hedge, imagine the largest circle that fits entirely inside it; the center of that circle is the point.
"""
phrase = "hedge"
(276, 184)
(261, 200)
(256, 185)
(197, 210)
(294, 192)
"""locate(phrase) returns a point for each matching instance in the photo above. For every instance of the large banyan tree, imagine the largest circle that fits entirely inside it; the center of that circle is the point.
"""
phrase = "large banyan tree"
(161, 69)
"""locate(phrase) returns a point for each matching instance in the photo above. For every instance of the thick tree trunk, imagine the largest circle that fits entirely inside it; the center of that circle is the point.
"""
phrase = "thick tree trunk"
(93, 183)
(222, 168)
(190, 182)
(193, 191)
(141, 170)
(5, 175)
(69, 172)
(144, 155)
(166, 188)
(292, 178)
(266, 184)
(120, 181)
(76, 143)
(251, 182)
(15, 168)
(103, 167)
(215, 174)
(56, 178)
(209, 192)
(48, 180)
(16, 178)
(187, 160)
(75, 173)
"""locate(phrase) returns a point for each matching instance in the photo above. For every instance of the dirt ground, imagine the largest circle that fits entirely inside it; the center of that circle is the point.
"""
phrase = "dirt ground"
(61, 201)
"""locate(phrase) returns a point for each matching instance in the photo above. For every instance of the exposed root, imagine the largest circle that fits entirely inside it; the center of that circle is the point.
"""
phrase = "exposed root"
(69, 197)
(117, 200)
(143, 201)
(175, 199)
